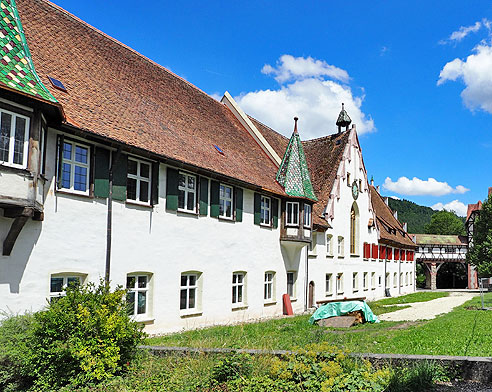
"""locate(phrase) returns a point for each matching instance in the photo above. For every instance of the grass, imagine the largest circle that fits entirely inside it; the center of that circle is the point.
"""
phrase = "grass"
(460, 332)
(422, 296)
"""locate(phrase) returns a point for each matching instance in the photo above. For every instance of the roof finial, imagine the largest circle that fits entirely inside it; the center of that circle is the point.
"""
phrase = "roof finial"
(295, 124)
(343, 119)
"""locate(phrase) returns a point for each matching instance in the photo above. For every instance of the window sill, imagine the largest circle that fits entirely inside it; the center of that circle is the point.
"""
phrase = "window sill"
(374, 288)
(145, 321)
(239, 307)
(190, 313)
(138, 203)
(269, 303)
(354, 255)
(266, 225)
(292, 226)
(340, 292)
(365, 259)
(187, 212)
(328, 294)
(226, 219)
(293, 299)
(73, 193)
(312, 255)
(366, 289)
(329, 256)
(307, 227)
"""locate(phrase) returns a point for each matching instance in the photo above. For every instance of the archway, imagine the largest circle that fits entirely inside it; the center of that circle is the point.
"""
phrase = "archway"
(354, 229)
(311, 295)
(452, 276)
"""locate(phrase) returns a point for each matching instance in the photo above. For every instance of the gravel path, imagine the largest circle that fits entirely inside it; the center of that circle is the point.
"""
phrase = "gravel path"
(430, 309)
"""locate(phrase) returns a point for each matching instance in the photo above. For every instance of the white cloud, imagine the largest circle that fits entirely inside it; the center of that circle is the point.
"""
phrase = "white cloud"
(475, 72)
(457, 206)
(463, 31)
(291, 68)
(416, 186)
(395, 198)
(314, 99)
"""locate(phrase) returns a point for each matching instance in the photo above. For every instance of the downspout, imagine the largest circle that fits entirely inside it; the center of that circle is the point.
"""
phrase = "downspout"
(109, 226)
(385, 287)
(306, 283)
(399, 274)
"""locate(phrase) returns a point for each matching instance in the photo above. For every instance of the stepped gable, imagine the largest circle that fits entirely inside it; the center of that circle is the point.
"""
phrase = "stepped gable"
(293, 173)
(116, 93)
(390, 229)
(17, 70)
(324, 156)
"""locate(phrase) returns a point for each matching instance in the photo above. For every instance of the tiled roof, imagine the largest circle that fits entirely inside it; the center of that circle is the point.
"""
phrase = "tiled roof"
(293, 173)
(472, 208)
(16, 69)
(437, 239)
(116, 93)
(323, 156)
(278, 142)
(390, 229)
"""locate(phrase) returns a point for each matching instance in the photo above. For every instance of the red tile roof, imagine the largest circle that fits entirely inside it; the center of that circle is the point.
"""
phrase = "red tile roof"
(390, 229)
(472, 208)
(117, 93)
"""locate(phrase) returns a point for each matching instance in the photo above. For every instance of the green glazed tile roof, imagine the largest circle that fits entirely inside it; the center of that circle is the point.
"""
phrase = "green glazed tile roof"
(293, 173)
(17, 70)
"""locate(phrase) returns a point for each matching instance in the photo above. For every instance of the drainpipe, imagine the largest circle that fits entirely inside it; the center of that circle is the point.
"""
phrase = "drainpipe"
(385, 287)
(109, 228)
(306, 283)
(399, 274)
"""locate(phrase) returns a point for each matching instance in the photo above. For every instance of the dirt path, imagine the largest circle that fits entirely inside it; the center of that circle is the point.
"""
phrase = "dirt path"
(430, 309)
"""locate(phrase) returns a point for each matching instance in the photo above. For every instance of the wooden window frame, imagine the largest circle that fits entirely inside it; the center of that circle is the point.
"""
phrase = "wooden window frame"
(308, 213)
(186, 191)
(186, 288)
(292, 215)
(264, 210)
(269, 286)
(135, 289)
(138, 178)
(25, 149)
(238, 287)
(73, 163)
(328, 284)
(224, 199)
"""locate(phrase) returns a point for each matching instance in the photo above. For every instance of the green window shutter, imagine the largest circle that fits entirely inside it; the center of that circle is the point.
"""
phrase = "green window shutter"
(172, 189)
(203, 207)
(120, 166)
(155, 183)
(214, 199)
(59, 162)
(257, 209)
(101, 172)
(239, 204)
(274, 213)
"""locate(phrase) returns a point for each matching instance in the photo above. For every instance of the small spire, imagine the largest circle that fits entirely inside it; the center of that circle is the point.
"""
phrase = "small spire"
(295, 124)
(343, 119)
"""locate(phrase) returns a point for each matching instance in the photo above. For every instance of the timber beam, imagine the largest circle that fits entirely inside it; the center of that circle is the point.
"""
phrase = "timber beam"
(14, 232)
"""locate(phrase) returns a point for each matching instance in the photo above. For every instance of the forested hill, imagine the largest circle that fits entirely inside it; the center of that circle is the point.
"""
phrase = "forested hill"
(416, 216)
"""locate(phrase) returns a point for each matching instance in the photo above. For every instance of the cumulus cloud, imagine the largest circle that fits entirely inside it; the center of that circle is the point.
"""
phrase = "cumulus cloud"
(475, 74)
(291, 68)
(457, 206)
(464, 31)
(307, 90)
(416, 186)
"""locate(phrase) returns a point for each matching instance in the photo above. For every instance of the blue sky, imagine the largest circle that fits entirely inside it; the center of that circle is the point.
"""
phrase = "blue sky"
(384, 59)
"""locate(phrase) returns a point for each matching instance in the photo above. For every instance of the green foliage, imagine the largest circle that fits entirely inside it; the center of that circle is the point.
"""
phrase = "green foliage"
(414, 215)
(83, 337)
(445, 223)
(480, 253)
(417, 377)
(231, 367)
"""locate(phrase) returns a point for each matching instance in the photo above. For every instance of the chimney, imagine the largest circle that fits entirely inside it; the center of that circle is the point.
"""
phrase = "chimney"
(405, 227)
(372, 180)
(386, 200)
(377, 189)
(395, 214)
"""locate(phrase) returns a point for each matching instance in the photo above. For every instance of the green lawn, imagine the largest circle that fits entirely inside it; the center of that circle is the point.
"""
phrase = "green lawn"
(421, 296)
(460, 332)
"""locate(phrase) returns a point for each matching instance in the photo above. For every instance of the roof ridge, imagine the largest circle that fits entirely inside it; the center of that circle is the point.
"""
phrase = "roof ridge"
(95, 29)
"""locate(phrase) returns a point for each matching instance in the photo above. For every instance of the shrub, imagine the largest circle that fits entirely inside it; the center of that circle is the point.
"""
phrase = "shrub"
(231, 367)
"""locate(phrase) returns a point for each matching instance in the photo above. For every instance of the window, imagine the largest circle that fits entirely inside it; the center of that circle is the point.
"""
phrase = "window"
(395, 280)
(137, 296)
(387, 280)
(238, 289)
(328, 287)
(373, 280)
(188, 291)
(355, 281)
(187, 192)
(348, 179)
(265, 212)
(138, 181)
(291, 282)
(14, 139)
(406, 279)
(329, 245)
(354, 221)
(75, 167)
(411, 281)
(401, 279)
(365, 281)
(225, 201)
(58, 284)
(340, 283)
(340, 246)
(268, 292)
(307, 215)
(292, 213)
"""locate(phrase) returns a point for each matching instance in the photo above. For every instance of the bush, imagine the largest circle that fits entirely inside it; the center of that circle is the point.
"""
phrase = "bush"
(231, 367)
(83, 337)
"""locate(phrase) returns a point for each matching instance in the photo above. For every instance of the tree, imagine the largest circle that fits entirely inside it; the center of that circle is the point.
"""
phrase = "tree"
(480, 252)
(445, 223)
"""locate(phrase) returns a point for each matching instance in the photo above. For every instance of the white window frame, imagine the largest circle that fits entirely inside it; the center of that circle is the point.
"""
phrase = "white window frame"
(238, 285)
(187, 190)
(264, 210)
(329, 245)
(401, 279)
(355, 282)
(293, 294)
(139, 179)
(66, 277)
(387, 280)
(135, 289)
(308, 210)
(328, 285)
(187, 288)
(292, 219)
(25, 151)
(365, 280)
(73, 163)
(341, 246)
(269, 287)
(373, 280)
(224, 199)
(395, 280)
(380, 280)
(340, 283)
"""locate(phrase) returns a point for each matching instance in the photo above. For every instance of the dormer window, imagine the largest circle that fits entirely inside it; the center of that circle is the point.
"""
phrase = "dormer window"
(292, 213)
(14, 137)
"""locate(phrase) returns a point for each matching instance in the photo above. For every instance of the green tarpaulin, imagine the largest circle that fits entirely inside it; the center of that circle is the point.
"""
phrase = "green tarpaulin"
(333, 309)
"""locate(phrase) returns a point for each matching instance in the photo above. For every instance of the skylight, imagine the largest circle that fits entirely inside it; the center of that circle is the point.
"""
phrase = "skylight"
(57, 84)
(219, 149)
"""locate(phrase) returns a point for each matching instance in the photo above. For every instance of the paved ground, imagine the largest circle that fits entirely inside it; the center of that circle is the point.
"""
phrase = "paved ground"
(430, 309)
(463, 387)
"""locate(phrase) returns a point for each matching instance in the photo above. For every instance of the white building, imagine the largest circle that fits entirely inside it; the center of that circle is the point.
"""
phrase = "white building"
(112, 166)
